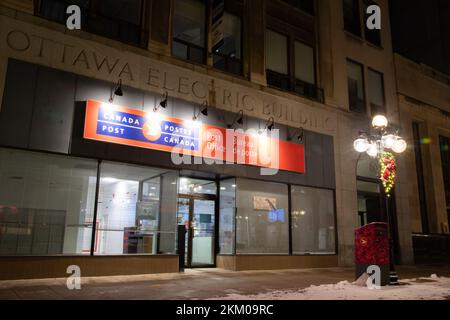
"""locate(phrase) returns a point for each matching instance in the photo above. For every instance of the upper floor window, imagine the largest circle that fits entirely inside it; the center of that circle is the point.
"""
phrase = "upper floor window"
(373, 36)
(121, 20)
(375, 85)
(355, 17)
(304, 5)
(357, 89)
(304, 74)
(189, 30)
(228, 56)
(352, 22)
(277, 60)
(355, 83)
(290, 72)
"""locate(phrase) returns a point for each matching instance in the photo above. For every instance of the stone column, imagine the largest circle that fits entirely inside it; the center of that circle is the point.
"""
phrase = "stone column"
(256, 17)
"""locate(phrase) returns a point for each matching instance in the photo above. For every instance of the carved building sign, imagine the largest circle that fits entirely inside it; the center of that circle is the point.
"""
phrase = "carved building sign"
(57, 50)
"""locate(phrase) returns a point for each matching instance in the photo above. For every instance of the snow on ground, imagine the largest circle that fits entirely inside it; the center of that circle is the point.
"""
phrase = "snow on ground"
(432, 288)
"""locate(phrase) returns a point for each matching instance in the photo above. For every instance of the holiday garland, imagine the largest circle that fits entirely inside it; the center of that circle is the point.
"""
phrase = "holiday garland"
(387, 171)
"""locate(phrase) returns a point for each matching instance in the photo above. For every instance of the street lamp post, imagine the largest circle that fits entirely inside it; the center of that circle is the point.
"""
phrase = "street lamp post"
(376, 145)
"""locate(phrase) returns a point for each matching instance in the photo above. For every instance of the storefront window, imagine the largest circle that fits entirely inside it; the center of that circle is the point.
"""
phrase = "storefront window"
(190, 186)
(137, 209)
(227, 214)
(313, 228)
(261, 218)
(189, 30)
(46, 203)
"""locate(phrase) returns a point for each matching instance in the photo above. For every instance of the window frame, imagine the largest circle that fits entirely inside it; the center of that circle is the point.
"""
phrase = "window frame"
(362, 34)
(383, 88)
(360, 23)
(205, 49)
(293, 63)
(365, 4)
(232, 7)
(336, 243)
(231, 10)
(363, 87)
(289, 66)
(289, 217)
(143, 25)
(296, 7)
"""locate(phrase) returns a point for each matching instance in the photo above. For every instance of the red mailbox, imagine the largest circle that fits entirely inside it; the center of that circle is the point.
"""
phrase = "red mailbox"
(372, 248)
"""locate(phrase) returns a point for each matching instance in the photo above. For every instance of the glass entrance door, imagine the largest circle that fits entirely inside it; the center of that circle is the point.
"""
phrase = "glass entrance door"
(202, 226)
(198, 216)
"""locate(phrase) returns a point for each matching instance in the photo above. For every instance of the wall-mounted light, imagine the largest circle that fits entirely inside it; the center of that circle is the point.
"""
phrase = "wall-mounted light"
(238, 118)
(162, 103)
(298, 134)
(117, 91)
(203, 110)
(270, 124)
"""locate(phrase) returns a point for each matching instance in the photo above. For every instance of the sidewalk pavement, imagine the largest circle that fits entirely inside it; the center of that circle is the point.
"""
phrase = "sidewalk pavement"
(193, 284)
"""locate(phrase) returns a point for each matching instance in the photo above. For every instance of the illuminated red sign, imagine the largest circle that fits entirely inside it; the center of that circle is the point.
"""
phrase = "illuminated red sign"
(115, 124)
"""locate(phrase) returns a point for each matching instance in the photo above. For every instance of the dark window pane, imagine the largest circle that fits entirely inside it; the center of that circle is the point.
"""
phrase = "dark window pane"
(128, 11)
(189, 28)
(355, 87)
(119, 19)
(179, 50)
(53, 10)
(276, 52)
(235, 66)
(278, 80)
(304, 5)
(196, 54)
(220, 62)
(304, 62)
(227, 57)
(375, 88)
(352, 21)
(373, 36)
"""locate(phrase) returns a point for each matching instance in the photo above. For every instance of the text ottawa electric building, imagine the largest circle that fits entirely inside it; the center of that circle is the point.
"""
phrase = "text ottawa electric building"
(89, 118)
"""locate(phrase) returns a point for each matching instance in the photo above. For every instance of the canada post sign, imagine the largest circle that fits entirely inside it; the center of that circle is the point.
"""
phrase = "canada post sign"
(115, 124)
(126, 125)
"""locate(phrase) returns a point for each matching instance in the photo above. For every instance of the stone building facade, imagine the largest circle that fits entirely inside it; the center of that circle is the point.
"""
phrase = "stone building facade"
(330, 114)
